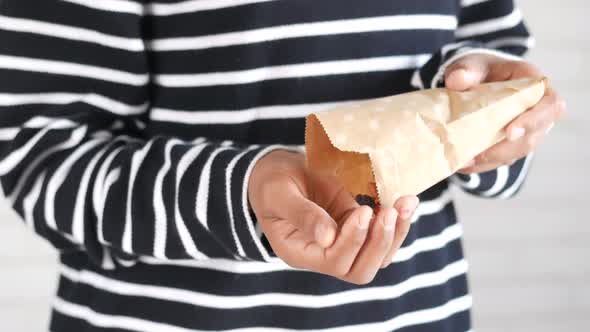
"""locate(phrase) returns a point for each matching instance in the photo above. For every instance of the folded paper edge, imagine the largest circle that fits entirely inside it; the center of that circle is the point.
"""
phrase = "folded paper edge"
(310, 155)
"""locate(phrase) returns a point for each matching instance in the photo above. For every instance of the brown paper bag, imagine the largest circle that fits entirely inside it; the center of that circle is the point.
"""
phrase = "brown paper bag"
(403, 144)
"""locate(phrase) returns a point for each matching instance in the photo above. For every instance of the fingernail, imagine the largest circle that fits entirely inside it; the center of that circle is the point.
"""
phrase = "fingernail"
(389, 219)
(550, 127)
(516, 133)
(406, 211)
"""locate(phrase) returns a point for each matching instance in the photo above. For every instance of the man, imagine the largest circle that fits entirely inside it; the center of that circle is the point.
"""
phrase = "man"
(155, 145)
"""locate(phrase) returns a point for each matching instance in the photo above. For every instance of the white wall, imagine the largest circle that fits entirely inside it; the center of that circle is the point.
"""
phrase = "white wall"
(529, 257)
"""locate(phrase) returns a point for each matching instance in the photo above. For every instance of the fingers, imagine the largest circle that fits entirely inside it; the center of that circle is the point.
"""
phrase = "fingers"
(506, 153)
(466, 72)
(480, 168)
(524, 133)
(313, 221)
(406, 206)
(376, 246)
(474, 69)
(338, 259)
(550, 109)
(508, 70)
(283, 200)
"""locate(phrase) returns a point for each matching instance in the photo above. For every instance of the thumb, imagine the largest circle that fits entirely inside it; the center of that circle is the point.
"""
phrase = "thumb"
(317, 225)
(466, 73)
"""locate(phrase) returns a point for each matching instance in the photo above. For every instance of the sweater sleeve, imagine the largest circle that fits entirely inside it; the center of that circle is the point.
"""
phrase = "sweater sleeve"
(494, 27)
(75, 162)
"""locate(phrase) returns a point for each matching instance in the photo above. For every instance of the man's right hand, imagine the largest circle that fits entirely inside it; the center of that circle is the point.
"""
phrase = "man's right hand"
(313, 223)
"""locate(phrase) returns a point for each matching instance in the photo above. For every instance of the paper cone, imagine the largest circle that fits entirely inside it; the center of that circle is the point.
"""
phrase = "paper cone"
(403, 144)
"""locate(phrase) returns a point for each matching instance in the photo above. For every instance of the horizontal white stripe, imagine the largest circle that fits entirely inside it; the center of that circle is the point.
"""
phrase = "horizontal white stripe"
(70, 33)
(467, 3)
(64, 98)
(7, 134)
(267, 299)
(162, 9)
(338, 67)
(433, 206)
(488, 26)
(136, 324)
(119, 6)
(276, 264)
(72, 69)
(429, 243)
(528, 42)
(417, 317)
(192, 6)
(357, 25)
(53, 123)
(240, 116)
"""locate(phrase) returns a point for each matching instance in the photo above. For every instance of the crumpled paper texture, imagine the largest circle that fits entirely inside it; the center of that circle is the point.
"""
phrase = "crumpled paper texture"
(403, 144)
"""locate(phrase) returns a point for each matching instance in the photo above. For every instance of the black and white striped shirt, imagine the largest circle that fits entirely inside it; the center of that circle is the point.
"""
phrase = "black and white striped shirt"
(128, 130)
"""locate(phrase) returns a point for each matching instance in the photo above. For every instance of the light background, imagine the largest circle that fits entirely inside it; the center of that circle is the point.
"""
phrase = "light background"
(530, 257)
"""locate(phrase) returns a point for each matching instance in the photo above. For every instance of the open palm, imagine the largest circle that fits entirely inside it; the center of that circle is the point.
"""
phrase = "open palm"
(313, 223)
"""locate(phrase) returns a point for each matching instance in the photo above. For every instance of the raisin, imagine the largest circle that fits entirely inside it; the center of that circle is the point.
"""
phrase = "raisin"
(366, 200)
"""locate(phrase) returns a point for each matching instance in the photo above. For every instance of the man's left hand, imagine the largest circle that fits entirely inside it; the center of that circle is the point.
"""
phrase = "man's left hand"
(525, 132)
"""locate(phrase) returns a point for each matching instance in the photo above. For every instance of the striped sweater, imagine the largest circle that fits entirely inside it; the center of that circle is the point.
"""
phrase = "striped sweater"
(129, 129)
